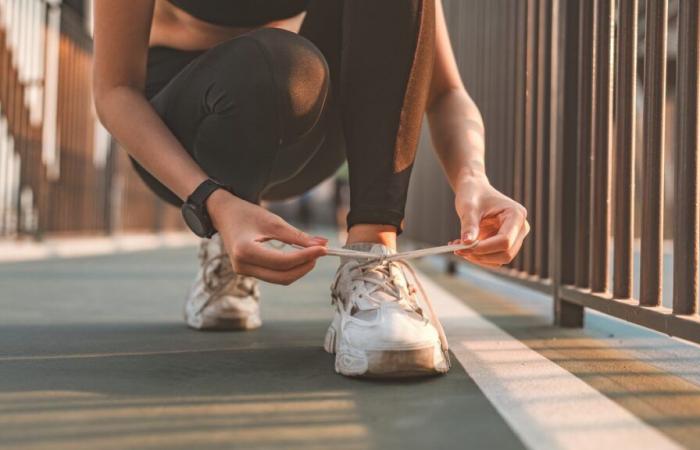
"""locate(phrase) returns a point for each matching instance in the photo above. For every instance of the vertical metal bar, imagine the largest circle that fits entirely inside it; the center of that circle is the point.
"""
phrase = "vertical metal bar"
(685, 241)
(564, 123)
(586, 86)
(510, 43)
(601, 152)
(624, 148)
(530, 153)
(653, 156)
(541, 180)
(519, 105)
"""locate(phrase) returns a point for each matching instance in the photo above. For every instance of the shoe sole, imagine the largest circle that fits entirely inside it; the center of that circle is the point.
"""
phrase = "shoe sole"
(418, 362)
(232, 324)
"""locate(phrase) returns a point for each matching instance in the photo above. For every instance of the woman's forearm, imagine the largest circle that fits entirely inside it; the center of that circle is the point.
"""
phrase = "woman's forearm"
(128, 116)
(457, 131)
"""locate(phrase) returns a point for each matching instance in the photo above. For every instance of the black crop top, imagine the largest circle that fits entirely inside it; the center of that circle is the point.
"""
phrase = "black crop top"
(241, 13)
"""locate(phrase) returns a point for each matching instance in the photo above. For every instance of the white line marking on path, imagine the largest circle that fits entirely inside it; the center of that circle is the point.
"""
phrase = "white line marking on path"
(547, 406)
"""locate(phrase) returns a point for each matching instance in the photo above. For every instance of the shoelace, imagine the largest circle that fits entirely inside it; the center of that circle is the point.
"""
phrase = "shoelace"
(411, 254)
(218, 274)
(383, 283)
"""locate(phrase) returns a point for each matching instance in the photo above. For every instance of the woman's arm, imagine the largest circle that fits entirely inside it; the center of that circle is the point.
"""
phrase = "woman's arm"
(121, 47)
(456, 126)
(458, 134)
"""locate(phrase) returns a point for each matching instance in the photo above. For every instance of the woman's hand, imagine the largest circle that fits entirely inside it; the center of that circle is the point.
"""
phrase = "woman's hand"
(499, 222)
(244, 227)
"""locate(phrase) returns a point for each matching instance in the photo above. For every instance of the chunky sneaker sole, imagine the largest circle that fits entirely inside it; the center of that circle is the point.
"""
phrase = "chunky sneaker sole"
(225, 314)
(426, 360)
(220, 324)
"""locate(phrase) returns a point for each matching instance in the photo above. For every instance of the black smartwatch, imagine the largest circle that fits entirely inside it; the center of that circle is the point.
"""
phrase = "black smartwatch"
(194, 210)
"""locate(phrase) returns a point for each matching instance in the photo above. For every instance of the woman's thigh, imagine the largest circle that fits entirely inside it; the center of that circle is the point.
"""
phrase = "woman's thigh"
(323, 164)
(247, 105)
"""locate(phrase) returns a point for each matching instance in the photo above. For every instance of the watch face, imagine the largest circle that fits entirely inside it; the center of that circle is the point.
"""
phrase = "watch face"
(193, 220)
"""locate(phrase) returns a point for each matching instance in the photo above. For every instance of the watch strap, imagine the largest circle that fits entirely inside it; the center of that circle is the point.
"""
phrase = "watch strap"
(203, 191)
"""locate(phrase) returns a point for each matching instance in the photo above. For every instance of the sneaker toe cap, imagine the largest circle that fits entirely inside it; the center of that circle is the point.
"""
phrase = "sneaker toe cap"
(393, 329)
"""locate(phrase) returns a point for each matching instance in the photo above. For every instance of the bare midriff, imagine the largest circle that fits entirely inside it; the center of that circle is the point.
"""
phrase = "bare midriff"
(173, 27)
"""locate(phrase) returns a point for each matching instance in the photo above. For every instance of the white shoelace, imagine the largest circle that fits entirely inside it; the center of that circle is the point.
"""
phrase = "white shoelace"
(411, 254)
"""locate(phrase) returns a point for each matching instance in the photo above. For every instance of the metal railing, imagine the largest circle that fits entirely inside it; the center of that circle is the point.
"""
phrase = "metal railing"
(60, 172)
(562, 98)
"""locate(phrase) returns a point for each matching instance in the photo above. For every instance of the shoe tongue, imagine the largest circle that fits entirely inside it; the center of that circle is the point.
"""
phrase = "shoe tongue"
(396, 273)
(215, 246)
(371, 247)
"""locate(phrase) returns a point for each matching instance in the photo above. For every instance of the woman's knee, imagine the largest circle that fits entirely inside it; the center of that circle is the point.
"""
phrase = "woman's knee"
(301, 76)
(295, 72)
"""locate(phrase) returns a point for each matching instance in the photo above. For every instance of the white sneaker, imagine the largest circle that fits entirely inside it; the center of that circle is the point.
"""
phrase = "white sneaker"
(221, 299)
(383, 325)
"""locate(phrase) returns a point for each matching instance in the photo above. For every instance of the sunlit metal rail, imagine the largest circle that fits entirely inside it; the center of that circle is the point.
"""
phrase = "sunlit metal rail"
(561, 91)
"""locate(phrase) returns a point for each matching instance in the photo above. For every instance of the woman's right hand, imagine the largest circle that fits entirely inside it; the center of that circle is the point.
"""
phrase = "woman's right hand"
(244, 227)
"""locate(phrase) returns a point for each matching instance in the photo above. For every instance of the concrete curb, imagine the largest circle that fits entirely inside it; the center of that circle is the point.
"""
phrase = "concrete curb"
(75, 247)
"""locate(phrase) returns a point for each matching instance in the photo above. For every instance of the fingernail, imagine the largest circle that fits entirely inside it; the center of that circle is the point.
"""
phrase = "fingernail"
(319, 240)
(469, 235)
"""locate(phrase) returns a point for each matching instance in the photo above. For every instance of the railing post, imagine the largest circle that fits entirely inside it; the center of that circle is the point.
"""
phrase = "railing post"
(601, 149)
(519, 105)
(545, 45)
(530, 148)
(685, 238)
(563, 139)
(624, 148)
(653, 153)
(587, 36)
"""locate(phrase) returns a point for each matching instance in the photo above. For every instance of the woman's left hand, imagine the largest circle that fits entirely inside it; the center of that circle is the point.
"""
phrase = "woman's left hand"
(498, 222)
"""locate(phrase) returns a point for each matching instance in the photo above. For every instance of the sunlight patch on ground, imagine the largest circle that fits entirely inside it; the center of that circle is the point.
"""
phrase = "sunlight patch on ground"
(76, 420)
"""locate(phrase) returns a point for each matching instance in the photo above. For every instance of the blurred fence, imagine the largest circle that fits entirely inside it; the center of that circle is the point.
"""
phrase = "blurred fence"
(60, 172)
(566, 106)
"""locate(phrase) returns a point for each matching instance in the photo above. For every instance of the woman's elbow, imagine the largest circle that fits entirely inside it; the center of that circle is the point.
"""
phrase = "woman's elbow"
(99, 108)
(100, 95)
(107, 99)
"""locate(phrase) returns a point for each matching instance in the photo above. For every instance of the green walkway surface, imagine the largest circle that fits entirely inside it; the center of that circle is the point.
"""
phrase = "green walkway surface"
(94, 354)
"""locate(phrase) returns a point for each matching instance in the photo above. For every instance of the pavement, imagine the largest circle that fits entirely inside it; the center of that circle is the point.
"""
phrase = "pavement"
(94, 354)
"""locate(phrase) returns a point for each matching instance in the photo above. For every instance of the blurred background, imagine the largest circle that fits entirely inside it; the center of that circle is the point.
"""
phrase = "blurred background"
(60, 171)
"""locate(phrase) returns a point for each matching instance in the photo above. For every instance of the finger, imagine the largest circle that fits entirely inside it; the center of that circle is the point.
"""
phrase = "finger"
(277, 276)
(497, 259)
(506, 256)
(521, 238)
(506, 236)
(470, 225)
(259, 255)
(466, 255)
(285, 232)
(481, 263)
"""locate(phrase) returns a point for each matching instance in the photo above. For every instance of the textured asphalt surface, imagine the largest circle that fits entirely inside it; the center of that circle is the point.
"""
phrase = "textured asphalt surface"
(94, 354)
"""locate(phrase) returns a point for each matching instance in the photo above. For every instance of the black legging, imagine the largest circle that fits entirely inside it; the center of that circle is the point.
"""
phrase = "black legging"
(271, 113)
